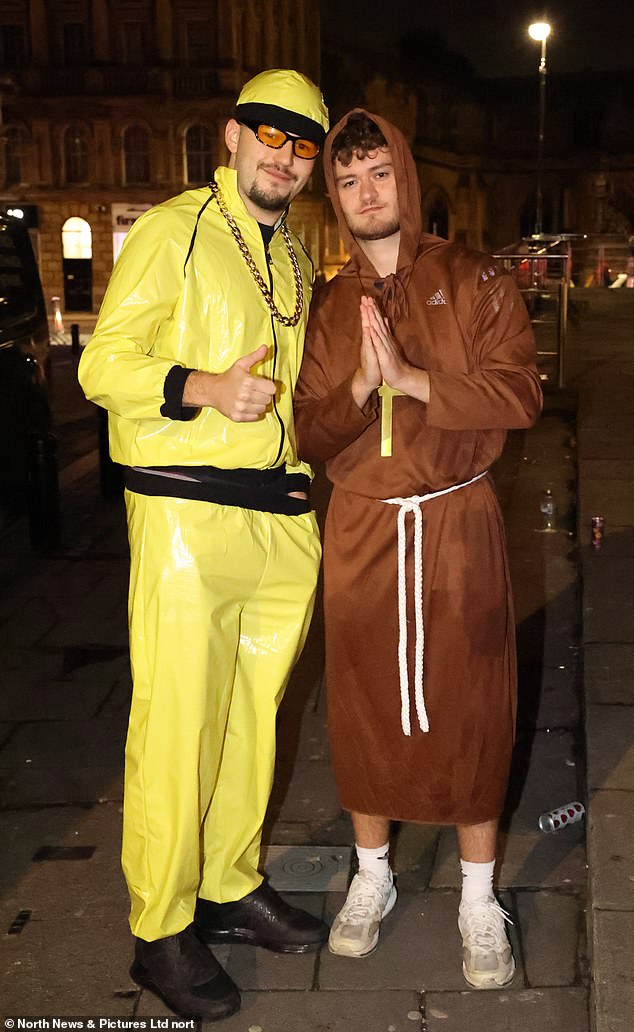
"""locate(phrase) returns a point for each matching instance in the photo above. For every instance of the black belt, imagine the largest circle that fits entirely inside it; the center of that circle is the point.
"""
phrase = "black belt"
(265, 490)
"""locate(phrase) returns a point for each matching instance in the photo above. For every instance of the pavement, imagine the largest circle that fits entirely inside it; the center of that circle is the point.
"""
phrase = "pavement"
(65, 949)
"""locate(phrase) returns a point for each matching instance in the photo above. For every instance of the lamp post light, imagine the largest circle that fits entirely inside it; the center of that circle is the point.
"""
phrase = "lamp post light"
(540, 31)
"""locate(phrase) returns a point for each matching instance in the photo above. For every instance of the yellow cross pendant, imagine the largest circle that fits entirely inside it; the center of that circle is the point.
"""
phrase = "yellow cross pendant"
(387, 393)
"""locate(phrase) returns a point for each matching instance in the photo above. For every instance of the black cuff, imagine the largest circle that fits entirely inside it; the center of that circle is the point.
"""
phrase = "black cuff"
(173, 393)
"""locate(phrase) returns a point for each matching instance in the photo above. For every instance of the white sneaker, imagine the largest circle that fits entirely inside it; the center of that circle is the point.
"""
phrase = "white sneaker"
(355, 930)
(487, 959)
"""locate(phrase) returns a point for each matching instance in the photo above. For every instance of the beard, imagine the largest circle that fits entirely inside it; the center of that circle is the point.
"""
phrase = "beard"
(270, 200)
(376, 232)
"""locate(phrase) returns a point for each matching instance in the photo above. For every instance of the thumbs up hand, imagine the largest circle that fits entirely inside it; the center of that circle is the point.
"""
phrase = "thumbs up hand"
(237, 393)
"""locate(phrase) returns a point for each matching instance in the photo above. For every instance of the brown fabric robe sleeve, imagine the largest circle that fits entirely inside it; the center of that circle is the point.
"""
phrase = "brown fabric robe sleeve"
(327, 418)
(503, 390)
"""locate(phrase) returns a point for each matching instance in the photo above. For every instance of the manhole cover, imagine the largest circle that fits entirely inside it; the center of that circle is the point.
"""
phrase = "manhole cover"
(308, 868)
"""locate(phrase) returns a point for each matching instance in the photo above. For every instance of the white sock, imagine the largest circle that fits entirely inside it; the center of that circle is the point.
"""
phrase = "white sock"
(477, 880)
(375, 860)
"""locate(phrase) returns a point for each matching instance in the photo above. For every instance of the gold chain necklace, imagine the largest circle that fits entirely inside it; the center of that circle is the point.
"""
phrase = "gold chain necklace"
(253, 269)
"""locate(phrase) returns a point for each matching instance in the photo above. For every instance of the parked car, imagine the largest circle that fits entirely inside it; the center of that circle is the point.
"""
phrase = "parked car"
(25, 415)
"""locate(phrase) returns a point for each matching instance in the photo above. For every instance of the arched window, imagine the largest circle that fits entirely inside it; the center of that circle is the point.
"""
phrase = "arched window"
(197, 154)
(76, 154)
(76, 238)
(14, 154)
(136, 154)
(77, 264)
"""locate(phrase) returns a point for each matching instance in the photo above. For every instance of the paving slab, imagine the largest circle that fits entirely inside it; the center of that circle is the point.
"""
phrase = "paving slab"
(599, 443)
(544, 775)
(28, 624)
(377, 1011)
(609, 673)
(90, 630)
(55, 744)
(594, 470)
(531, 1010)
(78, 865)
(611, 850)
(31, 667)
(310, 794)
(608, 600)
(549, 696)
(412, 856)
(420, 947)
(303, 733)
(57, 700)
(42, 786)
(610, 744)
(613, 982)
(550, 924)
(23, 833)
(67, 965)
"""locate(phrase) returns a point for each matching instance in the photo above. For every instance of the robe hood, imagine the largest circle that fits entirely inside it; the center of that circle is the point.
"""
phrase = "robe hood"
(409, 199)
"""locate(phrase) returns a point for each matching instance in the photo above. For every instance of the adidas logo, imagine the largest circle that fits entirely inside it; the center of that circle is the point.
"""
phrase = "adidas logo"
(437, 299)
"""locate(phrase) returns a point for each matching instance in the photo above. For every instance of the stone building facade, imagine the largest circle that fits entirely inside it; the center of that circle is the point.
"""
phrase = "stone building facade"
(109, 106)
(475, 145)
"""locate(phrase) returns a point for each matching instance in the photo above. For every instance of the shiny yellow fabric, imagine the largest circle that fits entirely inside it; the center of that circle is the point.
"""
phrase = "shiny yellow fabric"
(220, 597)
(220, 602)
(286, 89)
(156, 315)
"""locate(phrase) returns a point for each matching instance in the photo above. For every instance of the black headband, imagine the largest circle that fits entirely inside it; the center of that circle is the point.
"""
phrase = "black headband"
(281, 118)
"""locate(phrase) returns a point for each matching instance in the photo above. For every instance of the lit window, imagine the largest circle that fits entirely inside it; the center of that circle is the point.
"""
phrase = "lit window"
(76, 238)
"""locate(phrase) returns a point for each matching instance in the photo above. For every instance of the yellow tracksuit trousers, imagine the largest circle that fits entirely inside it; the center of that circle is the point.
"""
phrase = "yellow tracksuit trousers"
(220, 603)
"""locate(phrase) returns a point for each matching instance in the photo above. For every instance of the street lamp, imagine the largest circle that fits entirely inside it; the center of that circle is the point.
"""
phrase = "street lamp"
(540, 31)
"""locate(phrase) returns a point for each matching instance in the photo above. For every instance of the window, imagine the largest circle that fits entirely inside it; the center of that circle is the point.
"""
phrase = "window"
(199, 43)
(74, 43)
(76, 238)
(12, 46)
(197, 154)
(15, 150)
(76, 154)
(136, 155)
(134, 42)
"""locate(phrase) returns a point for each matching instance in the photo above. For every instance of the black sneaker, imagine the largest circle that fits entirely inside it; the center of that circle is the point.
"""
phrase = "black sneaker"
(262, 918)
(182, 972)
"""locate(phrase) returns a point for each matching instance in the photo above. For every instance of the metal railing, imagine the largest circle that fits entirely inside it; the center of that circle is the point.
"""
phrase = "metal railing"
(543, 277)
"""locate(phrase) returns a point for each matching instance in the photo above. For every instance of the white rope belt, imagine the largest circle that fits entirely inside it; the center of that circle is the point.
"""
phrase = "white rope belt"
(413, 505)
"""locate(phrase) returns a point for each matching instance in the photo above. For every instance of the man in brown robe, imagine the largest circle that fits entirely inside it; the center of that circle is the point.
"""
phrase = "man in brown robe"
(419, 357)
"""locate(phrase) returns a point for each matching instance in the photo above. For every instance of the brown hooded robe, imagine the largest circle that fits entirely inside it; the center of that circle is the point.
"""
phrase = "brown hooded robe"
(457, 314)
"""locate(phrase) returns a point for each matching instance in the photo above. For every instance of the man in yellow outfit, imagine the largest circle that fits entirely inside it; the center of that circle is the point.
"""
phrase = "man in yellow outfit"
(195, 356)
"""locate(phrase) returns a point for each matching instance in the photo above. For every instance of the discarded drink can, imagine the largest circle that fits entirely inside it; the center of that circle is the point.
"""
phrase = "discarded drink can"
(561, 817)
(596, 534)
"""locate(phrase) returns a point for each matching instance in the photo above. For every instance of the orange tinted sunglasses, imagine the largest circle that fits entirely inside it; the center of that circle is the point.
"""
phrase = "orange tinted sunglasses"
(276, 138)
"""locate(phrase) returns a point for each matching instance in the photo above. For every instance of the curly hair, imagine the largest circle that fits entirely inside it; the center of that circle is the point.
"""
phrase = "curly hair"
(359, 137)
